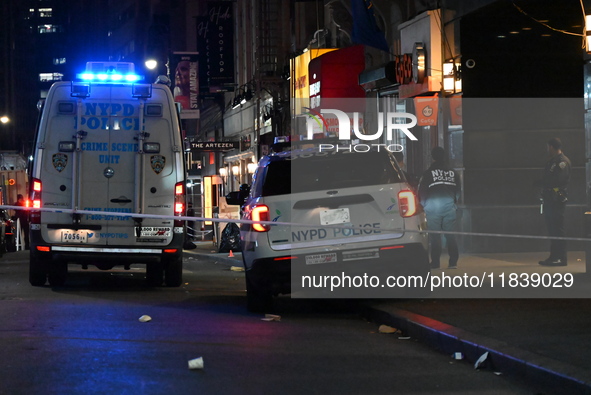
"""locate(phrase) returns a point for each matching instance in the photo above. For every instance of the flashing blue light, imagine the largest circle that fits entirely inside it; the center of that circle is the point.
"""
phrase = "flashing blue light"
(109, 77)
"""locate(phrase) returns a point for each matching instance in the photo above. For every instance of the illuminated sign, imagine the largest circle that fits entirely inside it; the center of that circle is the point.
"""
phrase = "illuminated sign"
(411, 67)
(300, 67)
(207, 199)
(215, 145)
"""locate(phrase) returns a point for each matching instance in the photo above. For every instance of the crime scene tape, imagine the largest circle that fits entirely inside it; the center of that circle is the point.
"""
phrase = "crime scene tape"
(291, 224)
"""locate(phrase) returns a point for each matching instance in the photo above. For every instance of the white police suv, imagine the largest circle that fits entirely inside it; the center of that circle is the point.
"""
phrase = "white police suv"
(330, 212)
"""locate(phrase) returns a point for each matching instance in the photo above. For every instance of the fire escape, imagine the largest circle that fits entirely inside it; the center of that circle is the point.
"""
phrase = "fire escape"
(270, 59)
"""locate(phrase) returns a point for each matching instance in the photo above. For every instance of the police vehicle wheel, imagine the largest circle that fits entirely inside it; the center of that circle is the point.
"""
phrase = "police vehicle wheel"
(58, 274)
(37, 273)
(257, 300)
(154, 274)
(173, 272)
(10, 244)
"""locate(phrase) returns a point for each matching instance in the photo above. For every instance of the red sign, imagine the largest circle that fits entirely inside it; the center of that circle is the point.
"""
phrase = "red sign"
(455, 110)
(335, 75)
(403, 68)
(426, 110)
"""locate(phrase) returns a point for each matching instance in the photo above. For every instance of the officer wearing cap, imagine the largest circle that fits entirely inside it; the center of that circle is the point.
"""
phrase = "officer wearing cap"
(554, 197)
(439, 191)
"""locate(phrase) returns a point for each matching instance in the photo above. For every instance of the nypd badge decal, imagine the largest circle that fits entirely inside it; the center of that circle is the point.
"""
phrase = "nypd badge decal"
(59, 161)
(157, 162)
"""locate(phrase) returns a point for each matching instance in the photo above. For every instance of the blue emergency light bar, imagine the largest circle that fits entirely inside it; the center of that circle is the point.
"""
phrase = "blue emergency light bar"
(109, 77)
(115, 72)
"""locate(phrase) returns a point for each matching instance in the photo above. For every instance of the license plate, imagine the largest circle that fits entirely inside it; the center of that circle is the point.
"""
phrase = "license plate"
(317, 259)
(73, 236)
(335, 216)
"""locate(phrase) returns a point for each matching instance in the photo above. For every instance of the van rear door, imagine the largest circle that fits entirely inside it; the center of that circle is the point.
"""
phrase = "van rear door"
(108, 175)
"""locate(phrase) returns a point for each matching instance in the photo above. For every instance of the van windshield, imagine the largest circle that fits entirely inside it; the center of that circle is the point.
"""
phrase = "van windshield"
(316, 172)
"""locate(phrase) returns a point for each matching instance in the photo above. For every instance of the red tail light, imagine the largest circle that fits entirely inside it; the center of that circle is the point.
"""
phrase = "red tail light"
(260, 213)
(36, 188)
(407, 203)
(179, 199)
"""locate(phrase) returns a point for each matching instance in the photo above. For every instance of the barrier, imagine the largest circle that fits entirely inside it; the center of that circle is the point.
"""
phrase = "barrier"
(292, 224)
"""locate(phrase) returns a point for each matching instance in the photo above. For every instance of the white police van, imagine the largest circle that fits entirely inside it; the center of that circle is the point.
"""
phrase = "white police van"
(108, 178)
(357, 210)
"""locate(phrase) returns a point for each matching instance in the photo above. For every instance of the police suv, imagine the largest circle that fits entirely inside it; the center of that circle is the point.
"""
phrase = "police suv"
(108, 178)
(322, 212)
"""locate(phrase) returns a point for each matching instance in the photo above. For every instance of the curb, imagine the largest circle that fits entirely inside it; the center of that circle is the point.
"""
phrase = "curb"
(553, 376)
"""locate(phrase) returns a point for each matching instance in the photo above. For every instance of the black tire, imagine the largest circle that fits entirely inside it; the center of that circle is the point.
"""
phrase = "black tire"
(10, 244)
(258, 299)
(154, 274)
(173, 272)
(37, 271)
(58, 273)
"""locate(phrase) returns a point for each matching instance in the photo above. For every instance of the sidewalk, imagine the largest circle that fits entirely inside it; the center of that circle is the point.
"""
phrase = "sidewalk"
(546, 341)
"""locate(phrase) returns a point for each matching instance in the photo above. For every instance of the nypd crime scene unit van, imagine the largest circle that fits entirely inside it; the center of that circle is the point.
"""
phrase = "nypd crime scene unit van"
(108, 178)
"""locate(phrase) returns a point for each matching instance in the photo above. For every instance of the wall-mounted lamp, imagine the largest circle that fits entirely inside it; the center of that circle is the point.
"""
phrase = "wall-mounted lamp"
(236, 170)
(251, 167)
(244, 93)
(588, 32)
(223, 171)
(452, 81)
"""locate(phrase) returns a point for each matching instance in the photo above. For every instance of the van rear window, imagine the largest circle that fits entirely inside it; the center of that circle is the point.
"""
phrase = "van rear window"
(325, 172)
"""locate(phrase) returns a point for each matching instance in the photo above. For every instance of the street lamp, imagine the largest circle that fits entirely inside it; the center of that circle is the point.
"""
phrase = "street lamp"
(4, 119)
(223, 173)
(151, 64)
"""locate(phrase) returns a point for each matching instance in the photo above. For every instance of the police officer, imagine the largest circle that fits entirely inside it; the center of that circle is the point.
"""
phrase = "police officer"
(554, 196)
(439, 191)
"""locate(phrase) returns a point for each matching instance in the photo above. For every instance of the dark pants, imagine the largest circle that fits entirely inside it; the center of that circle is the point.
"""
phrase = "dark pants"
(445, 221)
(554, 216)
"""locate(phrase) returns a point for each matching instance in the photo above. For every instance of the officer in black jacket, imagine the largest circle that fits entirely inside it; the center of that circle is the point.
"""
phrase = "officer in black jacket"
(554, 196)
(439, 191)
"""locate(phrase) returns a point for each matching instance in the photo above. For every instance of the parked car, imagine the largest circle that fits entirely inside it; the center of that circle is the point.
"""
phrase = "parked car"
(347, 200)
(8, 232)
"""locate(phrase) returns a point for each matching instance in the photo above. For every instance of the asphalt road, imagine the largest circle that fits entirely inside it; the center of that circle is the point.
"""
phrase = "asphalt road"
(86, 338)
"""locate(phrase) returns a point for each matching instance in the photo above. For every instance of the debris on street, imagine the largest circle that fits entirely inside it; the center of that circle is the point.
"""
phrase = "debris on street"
(196, 363)
(271, 317)
(481, 360)
(388, 329)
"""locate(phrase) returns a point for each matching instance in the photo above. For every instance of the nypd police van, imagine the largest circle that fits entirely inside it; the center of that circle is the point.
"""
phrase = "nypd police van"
(108, 178)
